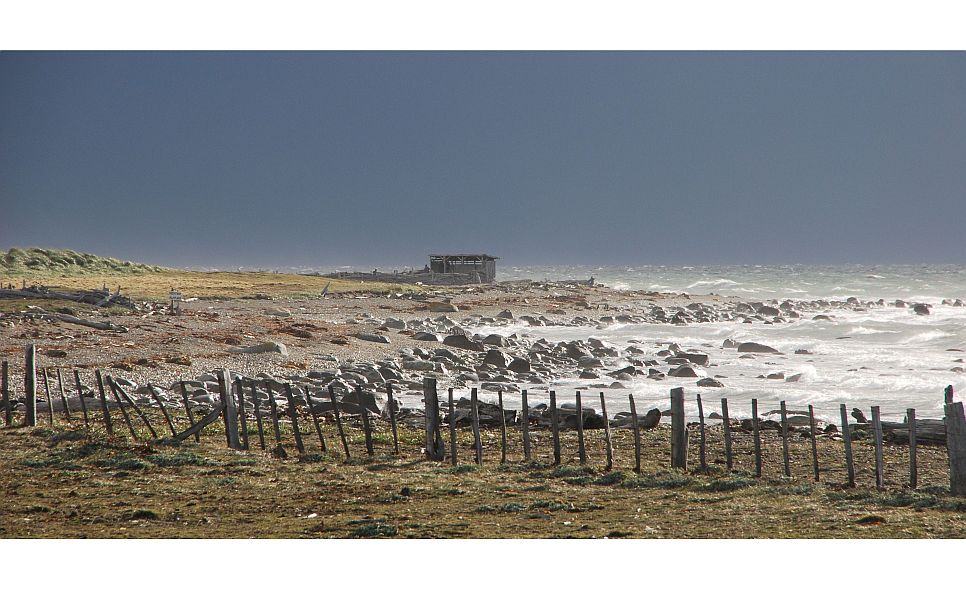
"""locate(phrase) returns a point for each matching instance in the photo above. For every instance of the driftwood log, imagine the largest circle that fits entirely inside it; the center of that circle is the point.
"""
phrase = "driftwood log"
(39, 313)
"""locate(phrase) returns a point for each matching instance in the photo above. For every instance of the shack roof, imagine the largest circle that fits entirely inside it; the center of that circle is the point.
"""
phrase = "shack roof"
(481, 256)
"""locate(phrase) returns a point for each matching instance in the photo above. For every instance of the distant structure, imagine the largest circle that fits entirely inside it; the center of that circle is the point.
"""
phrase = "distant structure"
(482, 267)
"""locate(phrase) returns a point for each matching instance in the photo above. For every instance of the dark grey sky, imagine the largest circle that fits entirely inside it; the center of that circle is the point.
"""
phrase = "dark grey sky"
(326, 158)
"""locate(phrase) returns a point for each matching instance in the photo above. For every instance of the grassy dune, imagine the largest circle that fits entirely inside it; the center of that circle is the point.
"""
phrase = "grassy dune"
(65, 269)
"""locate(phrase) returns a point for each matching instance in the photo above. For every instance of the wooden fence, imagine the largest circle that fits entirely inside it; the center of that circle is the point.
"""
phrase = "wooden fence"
(232, 411)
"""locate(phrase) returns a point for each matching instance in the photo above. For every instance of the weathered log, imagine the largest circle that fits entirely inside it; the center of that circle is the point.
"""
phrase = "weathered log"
(435, 448)
(877, 438)
(315, 419)
(42, 314)
(294, 416)
(785, 457)
(913, 462)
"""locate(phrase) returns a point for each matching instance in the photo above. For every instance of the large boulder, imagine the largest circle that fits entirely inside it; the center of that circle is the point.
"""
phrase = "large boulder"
(519, 365)
(463, 342)
(425, 336)
(373, 337)
(442, 307)
(921, 309)
(496, 340)
(496, 358)
(698, 359)
(710, 382)
(262, 348)
(754, 348)
(684, 371)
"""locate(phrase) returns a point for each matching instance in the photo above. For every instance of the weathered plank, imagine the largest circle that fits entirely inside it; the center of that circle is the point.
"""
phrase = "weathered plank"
(877, 438)
(726, 422)
(525, 423)
(785, 456)
(913, 462)
(554, 427)
(30, 384)
(956, 447)
(104, 409)
(679, 430)
(637, 434)
(435, 448)
(702, 456)
(581, 450)
(293, 414)
(847, 438)
(756, 435)
(608, 445)
(338, 422)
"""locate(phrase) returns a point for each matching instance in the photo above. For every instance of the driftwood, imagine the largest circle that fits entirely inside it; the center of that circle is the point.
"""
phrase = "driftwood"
(47, 315)
(928, 431)
(98, 298)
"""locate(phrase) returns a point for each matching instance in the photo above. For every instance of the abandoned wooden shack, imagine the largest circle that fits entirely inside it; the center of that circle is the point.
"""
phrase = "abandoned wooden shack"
(479, 267)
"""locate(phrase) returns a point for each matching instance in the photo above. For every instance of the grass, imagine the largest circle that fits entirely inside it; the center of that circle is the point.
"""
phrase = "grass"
(68, 270)
(59, 484)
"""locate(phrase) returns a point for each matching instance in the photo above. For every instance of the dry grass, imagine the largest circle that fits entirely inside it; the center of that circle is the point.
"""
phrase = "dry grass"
(61, 484)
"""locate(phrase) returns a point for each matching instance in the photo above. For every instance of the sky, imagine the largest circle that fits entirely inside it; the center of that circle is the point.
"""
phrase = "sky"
(278, 159)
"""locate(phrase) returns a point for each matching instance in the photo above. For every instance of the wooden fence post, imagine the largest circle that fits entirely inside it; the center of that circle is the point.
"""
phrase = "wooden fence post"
(366, 426)
(702, 457)
(241, 413)
(50, 406)
(554, 428)
(391, 405)
(120, 404)
(315, 419)
(338, 422)
(63, 395)
(581, 451)
(273, 405)
(785, 457)
(608, 446)
(125, 397)
(30, 384)
(107, 413)
(756, 434)
(454, 460)
(956, 446)
(637, 434)
(435, 448)
(5, 388)
(258, 414)
(475, 413)
(811, 428)
(164, 410)
(526, 426)
(230, 414)
(187, 410)
(499, 396)
(679, 430)
(913, 465)
(726, 420)
(877, 437)
(847, 438)
(294, 416)
(83, 401)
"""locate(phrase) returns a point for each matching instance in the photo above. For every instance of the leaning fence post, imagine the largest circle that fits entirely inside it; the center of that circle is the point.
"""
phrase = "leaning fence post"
(956, 447)
(756, 434)
(526, 426)
(811, 427)
(499, 397)
(581, 451)
(877, 436)
(847, 438)
(187, 410)
(241, 413)
(63, 395)
(231, 411)
(294, 416)
(366, 426)
(679, 430)
(452, 429)
(279, 451)
(120, 405)
(164, 410)
(30, 384)
(913, 466)
(83, 402)
(554, 427)
(50, 405)
(475, 414)
(637, 435)
(5, 387)
(608, 447)
(701, 440)
(391, 406)
(312, 412)
(785, 457)
(107, 412)
(435, 448)
(125, 397)
(338, 422)
(727, 432)
(258, 415)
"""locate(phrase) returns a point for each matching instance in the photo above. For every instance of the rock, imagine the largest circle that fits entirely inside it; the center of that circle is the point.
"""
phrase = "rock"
(393, 323)
(424, 336)
(373, 337)
(519, 365)
(831, 429)
(588, 375)
(496, 340)
(278, 312)
(463, 342)
(505, 314)
(710, 382)
(794, 377)
(802, 351)
(821, 318)
(263, 348)
(858, 415)
(900, 304)
(442, 307)
(683, 371)
(590, 362)
(768, 311)
(496, 358)
(698, 359)
(754, 348)
(920, 309)
(729, 343)
(776, 376)
(651, 419)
